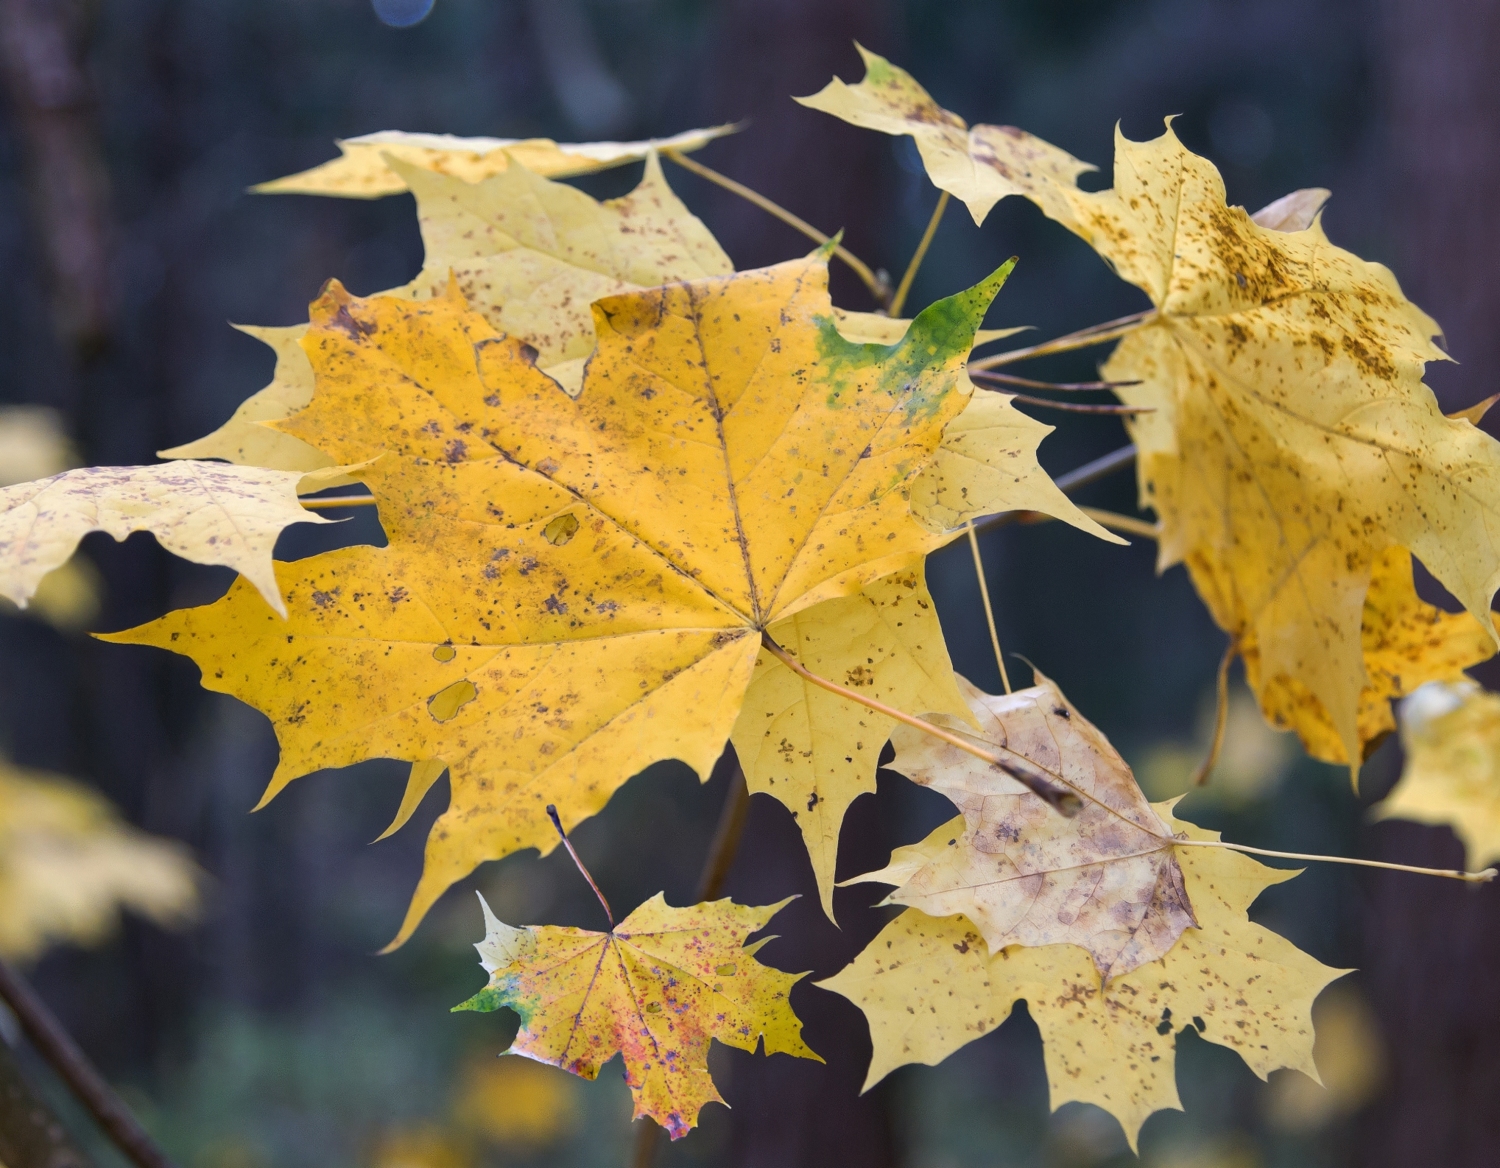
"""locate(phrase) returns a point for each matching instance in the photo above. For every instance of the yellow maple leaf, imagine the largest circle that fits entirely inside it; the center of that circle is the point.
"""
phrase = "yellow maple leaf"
(979, 165)
(1405, 643)
(575, 588)
(1293, 441)
(1450, 732)
(362, 171)
(928, 985)
(1107, 879)
(202, 511)
(531, 255)
(68, 865)
(657, 989)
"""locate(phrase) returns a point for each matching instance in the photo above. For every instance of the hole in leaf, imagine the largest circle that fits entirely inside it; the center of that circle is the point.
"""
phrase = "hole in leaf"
(653, 1008)
(444, 653)
(561, 529)
(448, 701)
(726, 970)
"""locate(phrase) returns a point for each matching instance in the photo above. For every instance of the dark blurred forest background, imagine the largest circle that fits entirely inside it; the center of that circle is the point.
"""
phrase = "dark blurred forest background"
(269, 1035)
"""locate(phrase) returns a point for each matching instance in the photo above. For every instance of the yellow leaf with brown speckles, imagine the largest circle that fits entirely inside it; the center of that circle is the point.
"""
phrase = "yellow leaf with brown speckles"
(657, 989)
(928, 985)
(730, 462)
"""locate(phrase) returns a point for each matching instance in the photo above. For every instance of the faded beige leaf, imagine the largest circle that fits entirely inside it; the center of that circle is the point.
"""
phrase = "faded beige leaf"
(928, 986)
(202, 511)
(1294, 212)
(361, 171)
(68, 866)
(1106, 880)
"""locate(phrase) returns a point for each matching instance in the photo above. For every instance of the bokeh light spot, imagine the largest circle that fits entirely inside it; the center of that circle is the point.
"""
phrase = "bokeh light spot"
(402, 13)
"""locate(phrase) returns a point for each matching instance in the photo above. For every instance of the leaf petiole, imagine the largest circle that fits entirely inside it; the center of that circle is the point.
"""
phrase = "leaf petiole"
(989, 609)
(567, 843)
(1450, 873)
(1094, 335)
(898, 301)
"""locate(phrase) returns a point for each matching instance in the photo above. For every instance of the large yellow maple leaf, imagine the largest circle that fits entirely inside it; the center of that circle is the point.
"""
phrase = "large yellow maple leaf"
(657, 988)
(1106, 879)
(575, 588)
(929, 985)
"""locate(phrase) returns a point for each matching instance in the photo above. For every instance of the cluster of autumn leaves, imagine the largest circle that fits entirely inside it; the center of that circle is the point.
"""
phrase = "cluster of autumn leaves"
(638, 504)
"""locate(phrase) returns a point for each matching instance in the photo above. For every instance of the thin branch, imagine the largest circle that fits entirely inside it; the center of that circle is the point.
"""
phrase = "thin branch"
(1082, 339)
(989, 610)
(898, 301)
(1032, 383)
(567, 843)
(1221, 714)
(55, 1045)
(339, 501)
(1117, 522)
(1077, 408)
(1450, 873)
(878, 288)
(1074, 480)
(1017, 766)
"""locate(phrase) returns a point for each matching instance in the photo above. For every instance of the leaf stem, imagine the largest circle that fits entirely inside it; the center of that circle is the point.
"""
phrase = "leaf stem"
(1221, 714)
(898, 301)
(989, 610)
(1082, 339)
(878, 287)
(1081, 408)
(1117, 522)
(339, 501)
(1017, 766)
(88, 1086)
(1033, 383)
(1450, 873)
(1074, 480)
(567, 843)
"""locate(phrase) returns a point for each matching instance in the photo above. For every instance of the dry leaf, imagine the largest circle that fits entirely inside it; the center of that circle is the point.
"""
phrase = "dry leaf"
(928, 985)
(1106, 880)
(68, 865)
(658, 989)
(361, 171)
(1450, 731)
(1294, 212)
(576, 588)
(201, 511)
(979, 166)
(1405, 642)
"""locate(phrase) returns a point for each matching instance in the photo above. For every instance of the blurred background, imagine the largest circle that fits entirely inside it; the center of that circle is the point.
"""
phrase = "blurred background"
(267, 1033)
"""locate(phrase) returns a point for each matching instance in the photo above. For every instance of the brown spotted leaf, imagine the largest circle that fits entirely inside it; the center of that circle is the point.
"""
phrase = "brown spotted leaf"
(1106, 879)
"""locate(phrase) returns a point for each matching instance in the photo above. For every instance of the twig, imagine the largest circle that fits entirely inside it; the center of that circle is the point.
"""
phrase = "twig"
(1117, 522)
(989, 611)
(1017, 766)
(898, 301)
(1082, 339)
(1089, 472)
(1221, 714)
(567, 843)
(1081, 408)
(878, 288)
(1032, 383)
(55, 1045)
(1450, 873)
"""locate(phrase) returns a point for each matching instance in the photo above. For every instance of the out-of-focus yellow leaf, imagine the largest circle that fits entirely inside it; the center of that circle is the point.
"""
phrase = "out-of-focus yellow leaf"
(575, 588)
(928, 985)
(1405, 642)
(514, 1101)
(979, 166)
(1450, 731)
(202, 511)
(361, 171)
(68, 865)
(1351, 1058)
(658, 988)
(421, 1146)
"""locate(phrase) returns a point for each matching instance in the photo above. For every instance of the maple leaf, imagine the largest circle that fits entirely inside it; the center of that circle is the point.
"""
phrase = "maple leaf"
(68, 865)
(1292, 441)
(928, 985)
(1450, 732)
(1405, 642)
(575, 588)
(1106, 879)
(530, 254)
(202, 511)
(657, 989)
(979, 166)
(362, 170)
